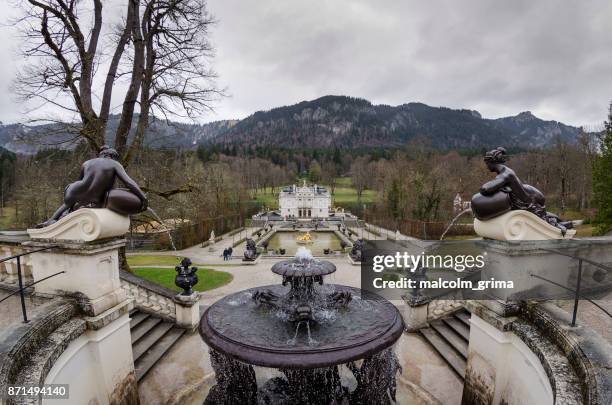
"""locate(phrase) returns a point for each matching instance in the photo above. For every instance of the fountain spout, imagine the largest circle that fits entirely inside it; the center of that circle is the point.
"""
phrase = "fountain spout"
(450, 225)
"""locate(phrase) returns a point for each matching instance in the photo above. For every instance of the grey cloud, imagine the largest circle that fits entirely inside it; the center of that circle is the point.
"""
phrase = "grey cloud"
(500, 58)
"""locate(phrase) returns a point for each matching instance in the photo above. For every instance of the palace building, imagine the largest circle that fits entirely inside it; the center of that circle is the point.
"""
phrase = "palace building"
(304, 202)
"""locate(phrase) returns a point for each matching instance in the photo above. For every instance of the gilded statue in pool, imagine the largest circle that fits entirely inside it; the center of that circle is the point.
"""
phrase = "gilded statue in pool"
(305, 238)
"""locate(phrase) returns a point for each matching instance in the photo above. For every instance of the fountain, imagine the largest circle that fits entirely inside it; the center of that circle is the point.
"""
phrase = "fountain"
(305, 239)
(329, 343)
(166, 229)
(454, 220)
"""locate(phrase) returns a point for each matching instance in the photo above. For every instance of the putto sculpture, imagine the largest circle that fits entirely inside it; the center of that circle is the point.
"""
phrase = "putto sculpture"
(508, 193)
(95, 189)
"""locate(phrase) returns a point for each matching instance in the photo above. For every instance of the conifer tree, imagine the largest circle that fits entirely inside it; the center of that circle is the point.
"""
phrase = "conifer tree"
(602, 179)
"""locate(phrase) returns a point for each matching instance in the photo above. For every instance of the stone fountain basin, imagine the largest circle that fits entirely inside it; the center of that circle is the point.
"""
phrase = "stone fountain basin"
(257, 335)
(293, 268)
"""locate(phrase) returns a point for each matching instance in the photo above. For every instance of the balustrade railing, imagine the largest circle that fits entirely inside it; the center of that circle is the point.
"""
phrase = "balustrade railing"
(22, 288)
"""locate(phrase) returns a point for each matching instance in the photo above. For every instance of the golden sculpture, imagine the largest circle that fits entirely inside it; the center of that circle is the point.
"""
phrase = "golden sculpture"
(305, 239)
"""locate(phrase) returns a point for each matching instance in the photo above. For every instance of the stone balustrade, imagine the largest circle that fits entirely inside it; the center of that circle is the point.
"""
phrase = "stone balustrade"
(8, 269)
(439, 308)
(149, 296)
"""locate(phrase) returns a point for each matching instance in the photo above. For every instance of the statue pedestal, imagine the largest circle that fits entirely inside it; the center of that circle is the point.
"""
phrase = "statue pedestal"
(91, 272)
(519, 225)
(415, 312)
(84, 225)
(99, 363)
(187, 310)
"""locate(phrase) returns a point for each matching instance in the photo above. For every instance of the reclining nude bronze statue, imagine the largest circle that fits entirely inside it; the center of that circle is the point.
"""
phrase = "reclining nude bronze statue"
(95, 189)
(507, 192)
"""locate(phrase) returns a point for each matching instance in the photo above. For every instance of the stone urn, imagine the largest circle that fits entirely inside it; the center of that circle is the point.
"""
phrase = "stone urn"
(186, 277)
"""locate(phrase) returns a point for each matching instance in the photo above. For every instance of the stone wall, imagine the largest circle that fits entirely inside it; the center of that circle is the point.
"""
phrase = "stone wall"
(532, 355)
(588, 354)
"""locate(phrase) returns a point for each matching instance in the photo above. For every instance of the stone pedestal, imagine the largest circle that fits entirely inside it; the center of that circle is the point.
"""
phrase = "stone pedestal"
(415, 313)
(84, 225)
(91, 273)
(519, 225)
(523, 262)
(187, 310)
(85, 245)
(99, 365)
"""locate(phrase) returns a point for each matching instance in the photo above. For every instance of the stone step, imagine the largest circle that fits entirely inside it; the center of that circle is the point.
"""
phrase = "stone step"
(449, 354)
(148, 359)
(452, 338)
(137, 317)
(150, 338)
(464, 316)
(144, 327)
(458, 326)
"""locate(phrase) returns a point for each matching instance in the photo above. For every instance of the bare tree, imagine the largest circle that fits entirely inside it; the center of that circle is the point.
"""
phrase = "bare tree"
(167, 64)
(360, 175)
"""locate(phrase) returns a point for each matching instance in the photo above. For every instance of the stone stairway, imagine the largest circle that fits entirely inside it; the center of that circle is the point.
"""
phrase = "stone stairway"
(152, 337)
(450, 336)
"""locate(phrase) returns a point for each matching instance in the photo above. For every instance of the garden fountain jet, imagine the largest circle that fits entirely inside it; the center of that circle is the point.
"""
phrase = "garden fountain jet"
(330, 343)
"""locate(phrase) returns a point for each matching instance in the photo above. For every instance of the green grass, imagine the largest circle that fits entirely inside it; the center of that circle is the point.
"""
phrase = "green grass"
(346, 194)
(267, 198)
(584, 230)
(153, 260)
(208, 278)
(7, 219)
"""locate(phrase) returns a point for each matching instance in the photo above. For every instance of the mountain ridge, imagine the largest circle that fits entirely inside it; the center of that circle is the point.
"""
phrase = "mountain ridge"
(331, 121)
(355, 122)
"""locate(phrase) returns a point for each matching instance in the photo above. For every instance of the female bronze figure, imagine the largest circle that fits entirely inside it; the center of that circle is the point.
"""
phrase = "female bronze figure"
(507, 192)
(95, 188)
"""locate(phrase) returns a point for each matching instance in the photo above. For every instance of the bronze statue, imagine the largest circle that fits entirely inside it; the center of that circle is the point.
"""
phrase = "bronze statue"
(356, 252)
(95, 188)
(250, 251)
(507, 192)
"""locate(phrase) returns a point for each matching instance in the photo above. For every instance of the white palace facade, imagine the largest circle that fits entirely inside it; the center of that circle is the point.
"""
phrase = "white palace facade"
(304, 202)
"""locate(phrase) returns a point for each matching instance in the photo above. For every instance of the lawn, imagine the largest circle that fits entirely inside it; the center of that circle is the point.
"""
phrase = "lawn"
(153, 260)
(7, 219)
(267, 198)
(208, 278)
(584, 230)
(345, 193)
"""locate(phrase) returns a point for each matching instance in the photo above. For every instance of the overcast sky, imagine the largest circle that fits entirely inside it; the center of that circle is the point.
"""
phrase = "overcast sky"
(551, 57)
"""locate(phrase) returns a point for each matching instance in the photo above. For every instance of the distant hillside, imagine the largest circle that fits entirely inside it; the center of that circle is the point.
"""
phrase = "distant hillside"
(340, 121)
(352, 122)
(160, 134)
